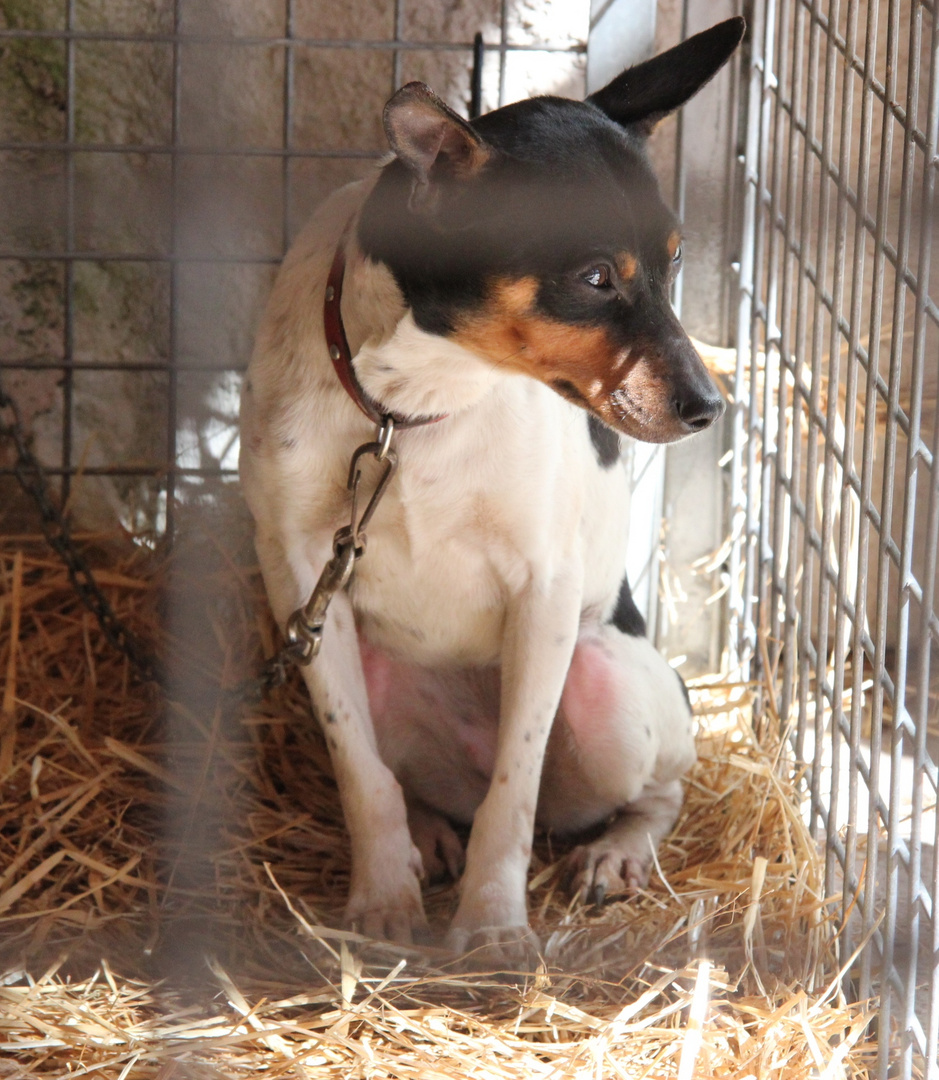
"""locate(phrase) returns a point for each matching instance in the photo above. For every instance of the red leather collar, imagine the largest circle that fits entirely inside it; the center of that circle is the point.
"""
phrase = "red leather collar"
(341, 356)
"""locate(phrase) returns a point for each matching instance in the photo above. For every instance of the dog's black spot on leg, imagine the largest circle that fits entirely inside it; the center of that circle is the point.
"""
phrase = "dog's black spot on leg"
(288, 444)
(647, 730)
(527, 736)
(605, 442)
(248, 387)
(626, 616)
(333, 745)
(330, 718)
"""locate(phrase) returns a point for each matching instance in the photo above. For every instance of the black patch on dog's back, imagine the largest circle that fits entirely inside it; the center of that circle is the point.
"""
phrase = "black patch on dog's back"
(684, 690)
(626, 616)
(605, 442)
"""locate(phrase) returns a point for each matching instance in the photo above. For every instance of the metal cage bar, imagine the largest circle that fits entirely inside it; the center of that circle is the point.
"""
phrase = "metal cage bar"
(835, 481)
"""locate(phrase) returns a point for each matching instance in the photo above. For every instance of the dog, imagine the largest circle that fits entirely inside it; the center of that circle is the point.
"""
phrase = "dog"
(501, 289)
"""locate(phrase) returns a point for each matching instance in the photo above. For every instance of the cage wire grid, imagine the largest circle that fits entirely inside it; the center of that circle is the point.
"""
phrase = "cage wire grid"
(835, 488)
(181, 39)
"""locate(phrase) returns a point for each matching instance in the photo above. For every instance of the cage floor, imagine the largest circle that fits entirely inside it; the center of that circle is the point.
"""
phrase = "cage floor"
(172, 875)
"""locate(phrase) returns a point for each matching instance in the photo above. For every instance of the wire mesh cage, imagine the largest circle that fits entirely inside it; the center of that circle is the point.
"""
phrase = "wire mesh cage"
(157, 159)
(835, 487)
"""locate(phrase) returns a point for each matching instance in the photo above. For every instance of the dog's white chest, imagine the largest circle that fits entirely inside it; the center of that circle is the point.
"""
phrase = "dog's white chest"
(476, 511)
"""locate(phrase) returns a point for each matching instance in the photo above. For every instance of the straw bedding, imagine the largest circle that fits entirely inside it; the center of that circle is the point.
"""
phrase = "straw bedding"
(172, 877)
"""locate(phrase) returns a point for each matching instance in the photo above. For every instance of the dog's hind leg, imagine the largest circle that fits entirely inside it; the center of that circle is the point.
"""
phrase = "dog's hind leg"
(621, 742)
(441, 849)
(621, 859)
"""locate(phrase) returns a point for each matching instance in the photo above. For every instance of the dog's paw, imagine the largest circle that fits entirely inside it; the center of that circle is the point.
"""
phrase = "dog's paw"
(385, 899)
(496, 948)
(490, 927)
(441, 850)
(607, 868)
(388, 918)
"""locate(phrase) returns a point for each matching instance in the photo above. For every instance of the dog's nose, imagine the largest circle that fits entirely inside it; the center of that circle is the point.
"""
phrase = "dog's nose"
(697, 412)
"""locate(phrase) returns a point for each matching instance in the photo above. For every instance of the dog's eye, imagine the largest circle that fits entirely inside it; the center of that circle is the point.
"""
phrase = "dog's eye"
(676, 258)
(599, 277)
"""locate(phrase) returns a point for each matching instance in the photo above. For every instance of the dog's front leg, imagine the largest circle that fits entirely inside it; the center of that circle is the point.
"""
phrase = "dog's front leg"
(384, 891)
(540, 633)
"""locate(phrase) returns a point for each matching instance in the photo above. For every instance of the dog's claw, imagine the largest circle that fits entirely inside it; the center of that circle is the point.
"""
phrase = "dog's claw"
(389, 906)
(596, 871)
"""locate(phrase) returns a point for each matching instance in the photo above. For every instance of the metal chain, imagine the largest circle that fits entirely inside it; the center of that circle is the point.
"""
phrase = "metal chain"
(55, 527)
(305, 626)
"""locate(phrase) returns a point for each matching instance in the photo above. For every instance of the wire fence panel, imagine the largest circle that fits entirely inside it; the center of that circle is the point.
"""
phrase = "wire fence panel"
(835, 483)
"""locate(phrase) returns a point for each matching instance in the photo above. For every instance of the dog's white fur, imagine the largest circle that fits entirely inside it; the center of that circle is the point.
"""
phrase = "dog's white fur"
(498, 549)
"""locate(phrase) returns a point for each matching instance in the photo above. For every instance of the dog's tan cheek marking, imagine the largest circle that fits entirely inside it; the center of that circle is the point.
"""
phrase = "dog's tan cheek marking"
(509, 332)
(674, 240)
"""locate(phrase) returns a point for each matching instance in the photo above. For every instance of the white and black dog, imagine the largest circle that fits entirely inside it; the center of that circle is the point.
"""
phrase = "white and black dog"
(507, 278)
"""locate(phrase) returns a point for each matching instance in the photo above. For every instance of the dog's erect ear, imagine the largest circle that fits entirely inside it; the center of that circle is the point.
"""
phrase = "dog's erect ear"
(431, 139)
(643, 94)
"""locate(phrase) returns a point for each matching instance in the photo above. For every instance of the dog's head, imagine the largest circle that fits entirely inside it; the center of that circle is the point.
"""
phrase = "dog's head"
(537, 237)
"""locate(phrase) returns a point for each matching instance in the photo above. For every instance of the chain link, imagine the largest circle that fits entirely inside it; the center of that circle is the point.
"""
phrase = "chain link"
(55, 527)
(305, 625)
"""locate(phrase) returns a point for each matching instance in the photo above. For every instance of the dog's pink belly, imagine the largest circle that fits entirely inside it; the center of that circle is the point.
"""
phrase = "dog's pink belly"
(437, 731)
(462, 702)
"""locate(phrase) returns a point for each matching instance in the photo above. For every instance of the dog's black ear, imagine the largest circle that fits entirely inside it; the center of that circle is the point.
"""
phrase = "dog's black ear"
(431, 139)
(643, 94)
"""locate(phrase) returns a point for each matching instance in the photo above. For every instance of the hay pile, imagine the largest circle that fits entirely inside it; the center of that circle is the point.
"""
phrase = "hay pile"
(172, 876)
